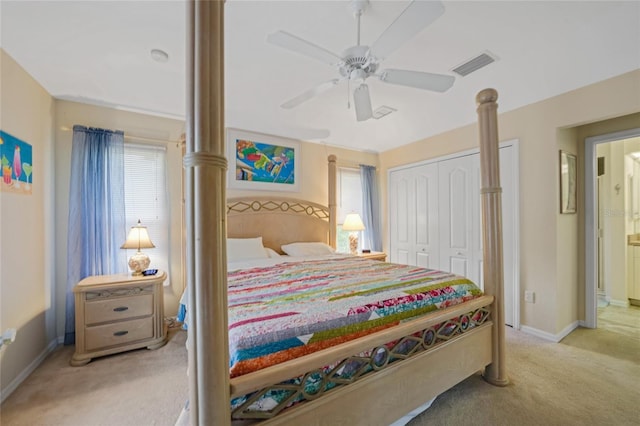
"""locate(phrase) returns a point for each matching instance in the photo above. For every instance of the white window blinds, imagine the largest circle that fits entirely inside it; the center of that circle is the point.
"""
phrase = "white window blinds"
(349, 201)
(349, 193)
(146, 198)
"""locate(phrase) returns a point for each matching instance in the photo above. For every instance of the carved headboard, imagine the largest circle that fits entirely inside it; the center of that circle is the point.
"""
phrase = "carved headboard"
(277, 220)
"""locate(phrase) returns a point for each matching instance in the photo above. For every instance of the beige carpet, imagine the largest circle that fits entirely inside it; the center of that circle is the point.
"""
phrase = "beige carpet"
(140, 387)
(591, 378)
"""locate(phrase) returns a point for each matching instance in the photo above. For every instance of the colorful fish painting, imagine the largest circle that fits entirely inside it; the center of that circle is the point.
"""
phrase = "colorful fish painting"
(263, 162)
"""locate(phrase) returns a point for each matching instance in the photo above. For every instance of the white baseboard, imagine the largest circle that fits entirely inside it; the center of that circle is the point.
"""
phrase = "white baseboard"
(4, 393)
(620, 303)
(548, 336)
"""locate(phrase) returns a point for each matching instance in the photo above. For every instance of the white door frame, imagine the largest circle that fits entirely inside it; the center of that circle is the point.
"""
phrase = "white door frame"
(590, 225)
(515, 144)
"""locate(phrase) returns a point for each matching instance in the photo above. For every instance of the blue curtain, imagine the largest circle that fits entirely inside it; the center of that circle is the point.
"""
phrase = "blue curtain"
(97, 225)
(372, 239)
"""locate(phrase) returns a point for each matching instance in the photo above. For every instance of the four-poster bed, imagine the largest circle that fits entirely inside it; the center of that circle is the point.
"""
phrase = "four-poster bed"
(474, 341)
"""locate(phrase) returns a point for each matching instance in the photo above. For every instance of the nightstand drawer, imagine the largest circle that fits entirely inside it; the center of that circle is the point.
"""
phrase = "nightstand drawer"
(121, 308)
(103, 336)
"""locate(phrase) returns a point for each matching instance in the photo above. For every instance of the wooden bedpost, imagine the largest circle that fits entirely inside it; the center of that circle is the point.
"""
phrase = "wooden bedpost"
(205, 166)
(491, 194)
(332, 201)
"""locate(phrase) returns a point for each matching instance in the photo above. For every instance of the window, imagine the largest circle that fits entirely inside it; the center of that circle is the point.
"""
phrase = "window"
(349, 201)
(146, 198)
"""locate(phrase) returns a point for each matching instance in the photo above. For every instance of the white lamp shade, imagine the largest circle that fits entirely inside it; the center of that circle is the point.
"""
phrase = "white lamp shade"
(138, 238)
(353, 222)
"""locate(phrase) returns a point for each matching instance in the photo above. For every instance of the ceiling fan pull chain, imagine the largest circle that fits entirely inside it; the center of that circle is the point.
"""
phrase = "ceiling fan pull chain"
(348, 93)
(358, 34)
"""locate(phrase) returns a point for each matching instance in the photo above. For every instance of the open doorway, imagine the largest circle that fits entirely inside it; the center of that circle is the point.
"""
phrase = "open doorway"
(610, 217)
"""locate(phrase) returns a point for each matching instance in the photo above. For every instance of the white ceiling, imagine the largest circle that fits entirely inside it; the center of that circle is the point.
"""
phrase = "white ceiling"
(98, 53)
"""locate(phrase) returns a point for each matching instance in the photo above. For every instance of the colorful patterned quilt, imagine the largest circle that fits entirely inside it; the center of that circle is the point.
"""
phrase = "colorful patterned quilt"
(281, 312)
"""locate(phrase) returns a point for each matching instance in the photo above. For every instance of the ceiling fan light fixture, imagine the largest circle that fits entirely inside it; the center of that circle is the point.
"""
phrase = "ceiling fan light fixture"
(362, 103)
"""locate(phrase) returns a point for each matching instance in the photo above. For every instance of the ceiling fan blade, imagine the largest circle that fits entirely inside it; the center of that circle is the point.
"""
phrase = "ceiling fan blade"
(417, 16)
(417, 79)
(362, 102)
(303, 47)
(305, 96)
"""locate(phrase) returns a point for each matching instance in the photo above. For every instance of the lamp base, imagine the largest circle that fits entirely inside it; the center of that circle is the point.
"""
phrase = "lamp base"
(353, 243)
(138, 263)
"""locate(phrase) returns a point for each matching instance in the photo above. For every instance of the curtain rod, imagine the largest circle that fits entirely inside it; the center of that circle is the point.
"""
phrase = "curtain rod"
(140, 138)
(353, 165)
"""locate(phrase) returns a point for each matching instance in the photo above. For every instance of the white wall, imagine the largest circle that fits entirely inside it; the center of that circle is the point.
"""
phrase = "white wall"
(27, 232)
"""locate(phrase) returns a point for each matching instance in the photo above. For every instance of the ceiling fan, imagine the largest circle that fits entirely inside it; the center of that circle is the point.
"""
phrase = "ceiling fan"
(357, 63)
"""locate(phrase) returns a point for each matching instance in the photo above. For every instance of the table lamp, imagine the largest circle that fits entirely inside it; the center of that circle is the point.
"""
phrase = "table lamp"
(138, 238)
(353, 223)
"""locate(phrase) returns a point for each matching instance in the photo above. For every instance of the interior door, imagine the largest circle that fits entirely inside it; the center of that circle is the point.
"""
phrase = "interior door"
(427, 246)
(458, 216)
(413, 200)
(401, 215)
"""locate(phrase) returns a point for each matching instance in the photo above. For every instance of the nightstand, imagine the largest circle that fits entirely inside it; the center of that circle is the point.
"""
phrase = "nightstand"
(374, 255)
(116, 313)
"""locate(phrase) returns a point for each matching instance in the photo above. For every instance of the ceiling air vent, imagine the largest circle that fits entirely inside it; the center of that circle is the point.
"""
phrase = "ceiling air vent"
(475, 64)
(382, 111)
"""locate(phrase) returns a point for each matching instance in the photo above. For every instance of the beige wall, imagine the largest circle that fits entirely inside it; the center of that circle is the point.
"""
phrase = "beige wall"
(314, 172)
(601, 127)
(566, 245)
(551, 260)
(26, 275)
(69, 114)
(313, 178)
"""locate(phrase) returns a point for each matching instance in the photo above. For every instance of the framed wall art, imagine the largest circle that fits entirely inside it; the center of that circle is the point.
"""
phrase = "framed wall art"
(17, 165)
(262, 162)
(568, 182)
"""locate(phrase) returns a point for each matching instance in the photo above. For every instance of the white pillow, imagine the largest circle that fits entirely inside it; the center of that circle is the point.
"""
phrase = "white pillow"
(245, 248)
(307, 249)
(271, 252)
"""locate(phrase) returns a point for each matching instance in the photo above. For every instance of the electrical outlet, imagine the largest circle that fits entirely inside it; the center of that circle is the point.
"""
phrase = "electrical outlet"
(529, 296)
(8, 337)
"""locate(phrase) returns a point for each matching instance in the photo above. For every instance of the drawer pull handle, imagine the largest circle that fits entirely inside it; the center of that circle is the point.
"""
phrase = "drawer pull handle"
(120, 309)
(120, 333)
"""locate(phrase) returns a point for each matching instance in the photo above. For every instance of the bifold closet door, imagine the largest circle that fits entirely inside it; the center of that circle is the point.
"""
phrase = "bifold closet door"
(435, 218)
(413, 201)
(459, 216)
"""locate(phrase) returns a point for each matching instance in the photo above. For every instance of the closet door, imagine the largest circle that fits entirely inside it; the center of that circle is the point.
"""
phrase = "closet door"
(402, 213)
(458, 216)
(436, 218)
(413, 201)
(427, 244)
